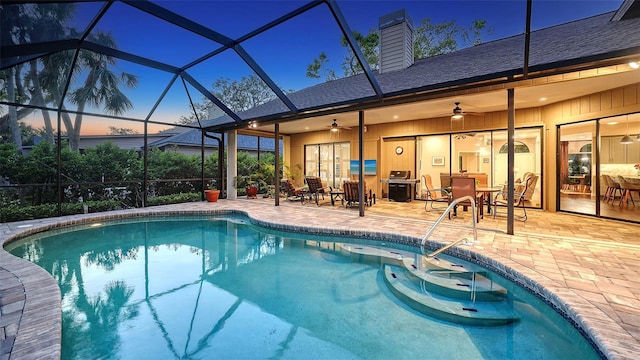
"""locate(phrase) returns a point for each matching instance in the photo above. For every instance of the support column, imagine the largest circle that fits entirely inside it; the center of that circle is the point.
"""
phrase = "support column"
(511, 122)
(361, 164)
(232, 163)
(278, 165)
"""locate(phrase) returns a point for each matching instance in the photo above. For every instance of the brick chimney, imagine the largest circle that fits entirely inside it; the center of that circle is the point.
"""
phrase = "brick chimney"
(396, 41)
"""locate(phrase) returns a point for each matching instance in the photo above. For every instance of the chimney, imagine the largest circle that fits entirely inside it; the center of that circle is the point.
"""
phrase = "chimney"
(396, 41)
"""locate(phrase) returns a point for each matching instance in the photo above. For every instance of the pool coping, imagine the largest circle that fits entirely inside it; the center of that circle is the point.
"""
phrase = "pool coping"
(38, 332)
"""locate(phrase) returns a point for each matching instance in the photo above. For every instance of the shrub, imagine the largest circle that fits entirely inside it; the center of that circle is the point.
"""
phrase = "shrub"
(174, 199)
(17, 212)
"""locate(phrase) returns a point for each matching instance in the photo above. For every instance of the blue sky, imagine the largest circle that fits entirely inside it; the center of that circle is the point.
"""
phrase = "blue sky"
(284, 52)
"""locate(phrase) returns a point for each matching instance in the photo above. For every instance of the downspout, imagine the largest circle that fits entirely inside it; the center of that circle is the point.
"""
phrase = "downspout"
(223, 185)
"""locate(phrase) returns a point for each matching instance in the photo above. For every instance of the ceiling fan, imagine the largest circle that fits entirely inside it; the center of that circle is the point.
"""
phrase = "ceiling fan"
(464, 136)
(457, 113)
(336, 127)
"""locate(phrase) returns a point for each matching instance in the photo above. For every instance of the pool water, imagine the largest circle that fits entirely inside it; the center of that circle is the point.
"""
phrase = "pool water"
(203, 287)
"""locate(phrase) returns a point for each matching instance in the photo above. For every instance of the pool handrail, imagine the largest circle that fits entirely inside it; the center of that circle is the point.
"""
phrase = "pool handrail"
(439, 220)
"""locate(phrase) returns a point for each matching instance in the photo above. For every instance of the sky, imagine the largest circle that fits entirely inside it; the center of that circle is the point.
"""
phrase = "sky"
(285, 51)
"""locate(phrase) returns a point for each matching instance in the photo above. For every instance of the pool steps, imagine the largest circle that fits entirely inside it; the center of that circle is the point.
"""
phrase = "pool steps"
(439, 288)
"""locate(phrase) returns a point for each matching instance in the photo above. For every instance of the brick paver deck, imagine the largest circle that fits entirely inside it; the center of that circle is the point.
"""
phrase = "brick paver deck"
(587, 267)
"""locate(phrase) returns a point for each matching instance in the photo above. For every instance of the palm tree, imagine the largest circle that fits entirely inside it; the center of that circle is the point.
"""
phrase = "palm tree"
(100, 88)
(42, 22)
(31, 23)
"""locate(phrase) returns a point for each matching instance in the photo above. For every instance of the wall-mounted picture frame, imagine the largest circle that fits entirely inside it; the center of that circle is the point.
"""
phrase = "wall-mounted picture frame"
(437, 160)
(369, 167)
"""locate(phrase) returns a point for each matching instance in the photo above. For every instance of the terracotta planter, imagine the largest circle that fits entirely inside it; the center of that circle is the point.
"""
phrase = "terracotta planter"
(252, 191)
(212, 195)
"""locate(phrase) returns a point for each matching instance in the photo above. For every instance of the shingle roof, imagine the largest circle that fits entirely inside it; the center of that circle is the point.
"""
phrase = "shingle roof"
(571, 43)
(192, 138)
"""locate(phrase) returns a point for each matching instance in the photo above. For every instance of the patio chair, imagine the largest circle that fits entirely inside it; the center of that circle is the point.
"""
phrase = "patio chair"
(445, 180)
(317, 188)
(431, 194)
(352, 194)
(519, 197)
(462, 186)
(292, 192)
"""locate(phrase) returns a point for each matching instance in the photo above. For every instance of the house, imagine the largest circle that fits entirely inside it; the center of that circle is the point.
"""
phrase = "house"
(580, 90)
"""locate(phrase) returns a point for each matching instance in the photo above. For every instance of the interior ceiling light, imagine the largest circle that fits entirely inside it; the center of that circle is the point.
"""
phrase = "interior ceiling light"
(626, 140)
(457, 112)
(612, 123)
(634, 65)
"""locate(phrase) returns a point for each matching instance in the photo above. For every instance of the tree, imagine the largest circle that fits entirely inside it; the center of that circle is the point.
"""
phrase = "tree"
(202, 110)
(44, 80)
(369, 45)
(319, 63)
(242, 95)
(101, 87)
(31, 23)
(108, 162)
(171, 164)
(237, 95)
(437, 39)
(429, 40)
(121, 131)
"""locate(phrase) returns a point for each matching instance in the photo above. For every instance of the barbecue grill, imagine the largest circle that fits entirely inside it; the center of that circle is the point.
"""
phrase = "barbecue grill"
(399, 185)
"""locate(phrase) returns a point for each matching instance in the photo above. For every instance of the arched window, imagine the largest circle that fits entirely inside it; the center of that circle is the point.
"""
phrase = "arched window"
(585, 148)
(518, 147)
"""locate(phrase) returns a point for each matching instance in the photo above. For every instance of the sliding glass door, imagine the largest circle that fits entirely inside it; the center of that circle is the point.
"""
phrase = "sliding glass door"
(576, 174)
(328, 161)
(618, 167)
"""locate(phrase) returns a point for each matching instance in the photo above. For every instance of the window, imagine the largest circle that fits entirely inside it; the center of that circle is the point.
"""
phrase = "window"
(328, 161)
(518, 147)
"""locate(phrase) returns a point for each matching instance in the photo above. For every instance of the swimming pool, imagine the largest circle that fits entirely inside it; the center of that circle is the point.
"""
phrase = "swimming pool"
(204, 287)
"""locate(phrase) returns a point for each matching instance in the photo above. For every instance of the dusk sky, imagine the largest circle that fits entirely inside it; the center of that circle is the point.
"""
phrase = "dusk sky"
(285, 51)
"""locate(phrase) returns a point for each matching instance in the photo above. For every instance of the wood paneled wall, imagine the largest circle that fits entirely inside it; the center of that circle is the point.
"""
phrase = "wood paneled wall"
(379, 142)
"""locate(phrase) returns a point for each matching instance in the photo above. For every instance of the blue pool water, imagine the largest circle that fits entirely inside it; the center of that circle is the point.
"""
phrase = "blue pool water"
(204, 288)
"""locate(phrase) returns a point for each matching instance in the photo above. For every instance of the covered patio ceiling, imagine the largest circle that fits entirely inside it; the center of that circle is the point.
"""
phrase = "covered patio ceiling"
(476, 103)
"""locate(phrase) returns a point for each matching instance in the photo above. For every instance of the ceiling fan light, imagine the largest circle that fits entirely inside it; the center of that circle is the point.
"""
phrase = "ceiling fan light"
(626, 140)
(334, 129)
(457, 112)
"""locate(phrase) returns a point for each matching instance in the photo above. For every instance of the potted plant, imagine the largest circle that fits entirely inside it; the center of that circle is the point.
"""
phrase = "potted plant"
(256, 180)
(212, 193)
(247, 183)
(293, 172)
